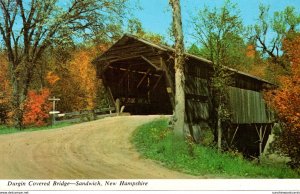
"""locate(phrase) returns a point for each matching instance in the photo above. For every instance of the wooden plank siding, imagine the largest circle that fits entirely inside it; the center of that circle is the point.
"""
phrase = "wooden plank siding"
(247, 106)
(197, 69)
(197, 92)
(197, 111)
(196, 86)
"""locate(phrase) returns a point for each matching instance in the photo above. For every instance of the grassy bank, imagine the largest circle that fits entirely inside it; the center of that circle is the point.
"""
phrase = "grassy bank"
(155, 141)
(7, 130)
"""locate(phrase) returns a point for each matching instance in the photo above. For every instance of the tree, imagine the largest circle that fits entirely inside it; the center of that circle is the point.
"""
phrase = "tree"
(220, 33)
(29, 28)
(72, 77)
(280, 24)
(135, 27)
(80, 68)
(179, 113)
(194, 50)
(285, 101)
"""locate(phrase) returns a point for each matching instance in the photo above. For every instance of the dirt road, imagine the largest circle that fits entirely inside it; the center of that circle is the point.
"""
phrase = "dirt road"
(100, 149)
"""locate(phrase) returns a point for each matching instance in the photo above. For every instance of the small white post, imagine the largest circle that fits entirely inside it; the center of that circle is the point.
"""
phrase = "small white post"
(53, 112)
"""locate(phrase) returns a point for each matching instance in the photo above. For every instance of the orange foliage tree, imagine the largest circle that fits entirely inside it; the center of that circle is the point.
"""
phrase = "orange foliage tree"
(83, 70)
(75, 81)
(36, 108)
(286, 101)
(5, 90)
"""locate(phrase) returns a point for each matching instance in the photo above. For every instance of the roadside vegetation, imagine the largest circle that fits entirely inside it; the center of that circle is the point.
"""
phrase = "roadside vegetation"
(156, 141)
(4, 129)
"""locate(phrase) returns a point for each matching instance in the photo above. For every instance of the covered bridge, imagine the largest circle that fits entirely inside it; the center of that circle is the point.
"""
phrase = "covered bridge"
(141, 74)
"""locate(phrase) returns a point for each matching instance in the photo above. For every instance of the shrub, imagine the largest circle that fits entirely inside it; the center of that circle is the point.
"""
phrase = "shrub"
(36, 108)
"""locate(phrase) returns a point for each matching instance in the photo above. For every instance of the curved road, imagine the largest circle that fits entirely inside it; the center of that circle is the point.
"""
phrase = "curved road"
(99, 149)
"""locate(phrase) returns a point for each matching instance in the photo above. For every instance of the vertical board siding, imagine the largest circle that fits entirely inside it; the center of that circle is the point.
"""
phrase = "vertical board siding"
(196, 86)
(197, 92)
(197, 111)
(197, 69)
(248, 106)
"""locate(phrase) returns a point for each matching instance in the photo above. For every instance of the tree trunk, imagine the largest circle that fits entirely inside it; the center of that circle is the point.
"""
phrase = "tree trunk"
(179, 113)
(17, 99)
(219, 129)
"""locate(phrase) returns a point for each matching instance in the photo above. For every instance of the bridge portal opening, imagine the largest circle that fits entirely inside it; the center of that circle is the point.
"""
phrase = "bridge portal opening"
(140, 86)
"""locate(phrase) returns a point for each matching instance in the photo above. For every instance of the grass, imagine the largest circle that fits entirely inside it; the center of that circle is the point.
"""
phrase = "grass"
(8, 130)
(155, 141)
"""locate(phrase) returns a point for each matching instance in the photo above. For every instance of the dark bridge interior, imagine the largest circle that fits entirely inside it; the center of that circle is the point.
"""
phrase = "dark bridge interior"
(140, 87)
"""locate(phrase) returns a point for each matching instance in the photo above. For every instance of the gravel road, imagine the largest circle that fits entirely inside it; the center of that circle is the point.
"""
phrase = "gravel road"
(98, 150)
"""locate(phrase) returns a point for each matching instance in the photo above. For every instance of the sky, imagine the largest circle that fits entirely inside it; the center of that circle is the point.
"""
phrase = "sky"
(155, 15)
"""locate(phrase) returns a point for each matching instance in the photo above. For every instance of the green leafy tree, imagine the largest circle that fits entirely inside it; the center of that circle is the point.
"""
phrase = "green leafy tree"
(220, 32)
(279, 25)
(135, 27)
(194, 50)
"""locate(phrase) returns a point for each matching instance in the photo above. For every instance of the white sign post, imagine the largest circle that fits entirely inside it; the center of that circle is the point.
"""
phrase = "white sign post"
(53, 112)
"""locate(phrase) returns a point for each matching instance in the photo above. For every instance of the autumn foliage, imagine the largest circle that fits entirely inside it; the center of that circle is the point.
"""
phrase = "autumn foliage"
(5, 90)
(250, 51)
(52, 78)
(74, 81)
(286, 100)
(82, 69)
(37, 108)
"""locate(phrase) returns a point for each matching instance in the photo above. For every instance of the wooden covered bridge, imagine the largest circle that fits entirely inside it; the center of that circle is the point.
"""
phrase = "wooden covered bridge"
(141, 74)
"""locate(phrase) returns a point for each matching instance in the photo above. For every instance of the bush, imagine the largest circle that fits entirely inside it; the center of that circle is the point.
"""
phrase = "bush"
(288, 143)
(36, 109)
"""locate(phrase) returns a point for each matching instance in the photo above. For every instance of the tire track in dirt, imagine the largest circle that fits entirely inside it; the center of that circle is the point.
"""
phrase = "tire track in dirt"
(99, 149)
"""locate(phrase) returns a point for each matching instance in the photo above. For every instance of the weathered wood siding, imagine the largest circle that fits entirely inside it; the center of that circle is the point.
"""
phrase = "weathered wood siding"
(248, 83)
(197, 92)
(196, 86)
(248, 106)
(197, 111)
